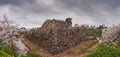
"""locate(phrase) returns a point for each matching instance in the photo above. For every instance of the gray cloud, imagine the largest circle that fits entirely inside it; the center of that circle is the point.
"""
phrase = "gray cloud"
(15, 2)
(35, 12)
(28, 6)
(99, 10)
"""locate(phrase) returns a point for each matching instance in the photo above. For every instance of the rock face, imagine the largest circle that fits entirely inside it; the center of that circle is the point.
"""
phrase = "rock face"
(17, 44)
(20, 47)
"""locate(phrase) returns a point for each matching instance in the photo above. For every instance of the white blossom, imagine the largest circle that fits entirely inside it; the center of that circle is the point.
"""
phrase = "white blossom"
(8, 28)
(8, 35)
(111, 33)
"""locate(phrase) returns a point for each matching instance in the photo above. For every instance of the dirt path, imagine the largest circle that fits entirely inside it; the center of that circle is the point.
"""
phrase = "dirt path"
(92, 48)
(77, 51)
(36, 49)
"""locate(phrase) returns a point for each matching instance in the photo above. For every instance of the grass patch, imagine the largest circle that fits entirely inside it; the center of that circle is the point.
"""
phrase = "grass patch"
(4, 54)
(31, 55)
(104, 51)
(93, 32)
(6, 48)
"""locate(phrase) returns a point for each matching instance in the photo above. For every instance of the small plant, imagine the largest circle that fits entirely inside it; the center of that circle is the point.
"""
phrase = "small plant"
(84, 50)
(31, 55)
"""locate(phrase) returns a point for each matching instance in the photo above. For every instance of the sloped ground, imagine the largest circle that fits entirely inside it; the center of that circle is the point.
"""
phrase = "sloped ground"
(78, 51)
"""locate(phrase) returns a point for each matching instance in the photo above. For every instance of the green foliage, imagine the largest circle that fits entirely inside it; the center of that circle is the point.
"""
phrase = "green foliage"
(4, 54)
(68, 20)
(93, 32)
(31, 55)
(6, 49)
(104, 51)
(117, 41)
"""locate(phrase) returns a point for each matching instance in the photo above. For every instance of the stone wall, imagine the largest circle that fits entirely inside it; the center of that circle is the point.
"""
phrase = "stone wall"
(55, 24)
(57, 40)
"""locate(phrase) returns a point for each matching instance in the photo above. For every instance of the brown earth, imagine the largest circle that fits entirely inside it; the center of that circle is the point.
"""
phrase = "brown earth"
(78, 51)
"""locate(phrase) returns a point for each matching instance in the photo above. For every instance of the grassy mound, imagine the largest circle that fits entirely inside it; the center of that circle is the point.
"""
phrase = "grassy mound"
(104, 51)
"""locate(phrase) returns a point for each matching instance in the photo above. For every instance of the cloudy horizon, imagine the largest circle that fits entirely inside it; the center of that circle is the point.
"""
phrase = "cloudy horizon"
(32, 13)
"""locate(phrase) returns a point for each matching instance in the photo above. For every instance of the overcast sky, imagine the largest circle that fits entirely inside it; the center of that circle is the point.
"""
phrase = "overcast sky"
(32, 13)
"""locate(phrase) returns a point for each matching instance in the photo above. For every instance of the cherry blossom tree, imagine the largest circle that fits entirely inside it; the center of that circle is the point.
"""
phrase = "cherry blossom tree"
(110, 34)
(9, 34)
(8, 28)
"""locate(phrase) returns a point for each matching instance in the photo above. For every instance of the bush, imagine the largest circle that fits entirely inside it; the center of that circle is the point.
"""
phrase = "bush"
(6, 49)
(104, 51)
(93, 32)
(4, 54)
(117, 41)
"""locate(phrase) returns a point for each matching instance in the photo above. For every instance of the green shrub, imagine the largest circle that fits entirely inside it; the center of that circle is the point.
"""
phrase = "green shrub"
(6, 49)
(4, 54)
(93, 32)
(104, 51)
(117, 41)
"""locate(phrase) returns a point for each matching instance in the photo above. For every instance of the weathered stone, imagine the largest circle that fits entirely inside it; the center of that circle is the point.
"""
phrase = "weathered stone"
(58, 40)
(57, 35)
(17, 44)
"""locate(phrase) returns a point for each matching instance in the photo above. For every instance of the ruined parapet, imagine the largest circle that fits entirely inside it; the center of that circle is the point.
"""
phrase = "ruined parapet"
(57, 23)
